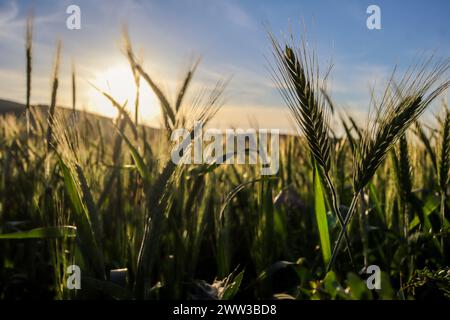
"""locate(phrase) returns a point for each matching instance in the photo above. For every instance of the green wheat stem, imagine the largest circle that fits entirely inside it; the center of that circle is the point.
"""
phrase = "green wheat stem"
(335, 208)
(347, 219)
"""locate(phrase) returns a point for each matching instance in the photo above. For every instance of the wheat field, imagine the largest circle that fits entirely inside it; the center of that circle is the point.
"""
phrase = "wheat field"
(103, 194)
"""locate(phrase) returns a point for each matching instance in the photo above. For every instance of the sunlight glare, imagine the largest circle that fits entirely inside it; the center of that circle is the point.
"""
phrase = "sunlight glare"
(118, 81)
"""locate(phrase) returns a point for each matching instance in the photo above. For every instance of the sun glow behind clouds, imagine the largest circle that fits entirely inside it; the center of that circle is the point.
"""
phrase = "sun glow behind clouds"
(118, 81)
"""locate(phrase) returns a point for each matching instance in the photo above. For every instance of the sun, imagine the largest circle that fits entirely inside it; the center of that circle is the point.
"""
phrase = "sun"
(118, 81)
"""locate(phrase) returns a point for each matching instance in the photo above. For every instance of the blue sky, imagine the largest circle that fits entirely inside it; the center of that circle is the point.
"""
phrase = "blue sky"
(230, 37)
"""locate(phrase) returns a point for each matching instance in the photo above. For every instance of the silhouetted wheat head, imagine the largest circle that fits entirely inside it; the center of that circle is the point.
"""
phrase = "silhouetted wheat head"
(296, 73)
(400, 106)
(28, 52)
(444, 151)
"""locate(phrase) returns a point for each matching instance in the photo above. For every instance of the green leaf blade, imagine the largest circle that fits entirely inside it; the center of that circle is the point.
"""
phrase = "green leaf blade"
(321, 218)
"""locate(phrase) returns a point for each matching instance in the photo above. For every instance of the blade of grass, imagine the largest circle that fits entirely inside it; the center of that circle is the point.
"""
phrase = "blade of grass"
(42, 233)
(321, 218)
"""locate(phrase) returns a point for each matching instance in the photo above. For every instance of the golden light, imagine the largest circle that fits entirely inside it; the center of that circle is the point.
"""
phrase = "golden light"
(118, 81)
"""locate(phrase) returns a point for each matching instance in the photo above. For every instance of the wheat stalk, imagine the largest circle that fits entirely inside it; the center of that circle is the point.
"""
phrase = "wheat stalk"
(74, 89)
(136, 76)
(444, 151)
(28, 52)
(52, 107)
(402, 165)
(400, 106)
(297, 75)
(444, 165)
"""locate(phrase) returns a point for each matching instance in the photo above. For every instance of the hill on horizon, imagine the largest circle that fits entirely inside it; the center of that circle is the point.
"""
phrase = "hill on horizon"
(18, 109)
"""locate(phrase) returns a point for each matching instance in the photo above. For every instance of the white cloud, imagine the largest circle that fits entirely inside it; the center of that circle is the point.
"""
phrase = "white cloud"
(236, 14)
(8, 12)
(230, 10)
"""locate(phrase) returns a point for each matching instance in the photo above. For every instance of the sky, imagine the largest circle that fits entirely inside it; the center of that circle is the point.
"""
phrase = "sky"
(231, 39)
